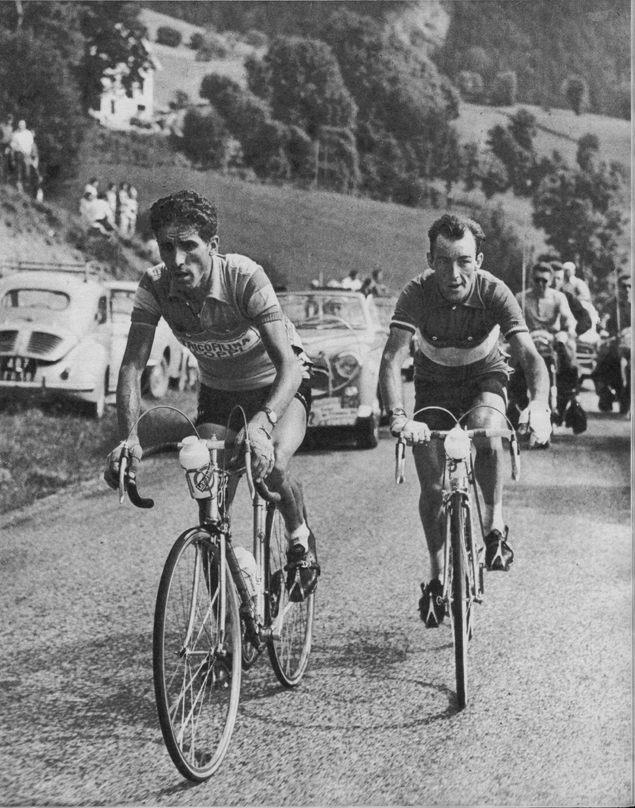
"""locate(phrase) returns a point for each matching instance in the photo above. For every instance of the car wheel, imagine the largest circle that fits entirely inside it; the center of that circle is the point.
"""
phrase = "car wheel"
(368, 432)
(156, 380)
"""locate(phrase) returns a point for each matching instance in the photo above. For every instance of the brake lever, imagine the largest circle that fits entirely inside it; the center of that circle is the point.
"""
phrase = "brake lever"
(124, 462)
(128, 482)
(400, 454)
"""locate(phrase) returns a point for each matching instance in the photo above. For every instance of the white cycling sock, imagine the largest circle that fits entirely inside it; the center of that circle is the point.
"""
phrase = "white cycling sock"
(300, 536)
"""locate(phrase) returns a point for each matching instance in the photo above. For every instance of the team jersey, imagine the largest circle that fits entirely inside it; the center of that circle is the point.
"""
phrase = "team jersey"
(451, 336)
(223, 335)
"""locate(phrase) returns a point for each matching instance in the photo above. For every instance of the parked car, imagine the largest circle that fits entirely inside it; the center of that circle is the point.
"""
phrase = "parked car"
(343, 335)
(63, 332)
(386, 307)
(170, 362)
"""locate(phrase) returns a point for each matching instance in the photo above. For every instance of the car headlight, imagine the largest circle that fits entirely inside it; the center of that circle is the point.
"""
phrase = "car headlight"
(347, 365)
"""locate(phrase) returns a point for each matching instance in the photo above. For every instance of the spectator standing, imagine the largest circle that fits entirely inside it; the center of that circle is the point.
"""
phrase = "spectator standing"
(111, 196)
(351, 281)
(97, 214)
(129, 213)
(575, 286)
(21, 147)
(374, 285)
(122, 203)
(6, 134)
(91, 187)
(580, 312)
(34, 173)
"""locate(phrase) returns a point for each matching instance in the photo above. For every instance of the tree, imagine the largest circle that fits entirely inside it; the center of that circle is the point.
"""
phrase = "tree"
(43, 92)
(304, 85)
(503, 249)
(576, 91)
(504, 89)
(400, 96)
(588, 152)
(582, 213)
(205, 138)
(514, 147)
(113, 37)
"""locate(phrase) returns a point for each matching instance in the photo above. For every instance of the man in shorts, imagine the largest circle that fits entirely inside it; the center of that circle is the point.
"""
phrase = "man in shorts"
(224, 309)
(457, 313)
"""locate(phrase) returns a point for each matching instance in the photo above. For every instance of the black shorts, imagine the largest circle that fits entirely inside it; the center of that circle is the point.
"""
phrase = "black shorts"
(457, 398)
(215, 406)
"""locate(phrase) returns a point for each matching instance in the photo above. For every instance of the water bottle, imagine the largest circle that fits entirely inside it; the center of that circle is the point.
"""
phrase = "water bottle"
(194, 458)
(247, 564)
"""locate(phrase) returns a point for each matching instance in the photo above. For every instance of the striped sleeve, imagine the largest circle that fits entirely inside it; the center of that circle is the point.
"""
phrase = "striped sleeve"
(258, 300)
(406, 311)
(507, 312)
(146, 308)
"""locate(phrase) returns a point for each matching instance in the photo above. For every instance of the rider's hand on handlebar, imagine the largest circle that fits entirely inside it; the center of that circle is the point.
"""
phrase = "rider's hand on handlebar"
(413, 432)
(262, 453)
(536, 420)
(111, 473)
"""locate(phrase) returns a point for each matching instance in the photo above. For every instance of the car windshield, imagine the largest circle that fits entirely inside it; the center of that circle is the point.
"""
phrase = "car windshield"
(385, 308)
(122, 303)
(36, 299)
(324, 311)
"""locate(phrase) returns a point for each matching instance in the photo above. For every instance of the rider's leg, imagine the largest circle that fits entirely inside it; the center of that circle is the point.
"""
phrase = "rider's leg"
(488, 464)
(429, 462)
(287, 437)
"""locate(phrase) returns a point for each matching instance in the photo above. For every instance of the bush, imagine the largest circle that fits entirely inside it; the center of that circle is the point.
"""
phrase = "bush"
(470, 86)
(256, 39)
(196, 40)
(168, 36)
(504, 89)
(213, 46)
(132, 148)
(205, 138)
(576, 93)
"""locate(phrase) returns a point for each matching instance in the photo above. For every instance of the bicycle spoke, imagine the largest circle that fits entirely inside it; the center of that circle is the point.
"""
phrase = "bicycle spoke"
(291, 621)
(196, 680)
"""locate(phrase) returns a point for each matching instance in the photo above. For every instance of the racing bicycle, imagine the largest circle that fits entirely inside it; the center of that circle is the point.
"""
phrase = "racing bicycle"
(463, 584)
(210, 622)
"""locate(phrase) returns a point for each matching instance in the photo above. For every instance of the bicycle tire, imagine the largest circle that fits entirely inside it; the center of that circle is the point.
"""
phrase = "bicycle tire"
(197, 689)
(461, 607)
(289, 650)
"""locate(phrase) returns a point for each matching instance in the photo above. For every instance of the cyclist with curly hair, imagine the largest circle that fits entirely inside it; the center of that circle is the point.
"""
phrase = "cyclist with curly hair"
(456, 313)
(224, 309)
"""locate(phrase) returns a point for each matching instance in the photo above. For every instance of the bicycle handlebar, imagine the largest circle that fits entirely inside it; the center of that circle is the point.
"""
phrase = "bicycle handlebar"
(128, 480)
(437, 434)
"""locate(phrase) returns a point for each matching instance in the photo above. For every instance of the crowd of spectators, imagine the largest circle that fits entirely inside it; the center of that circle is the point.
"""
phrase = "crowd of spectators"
(112, 212)
(371, 286)
(20, 159)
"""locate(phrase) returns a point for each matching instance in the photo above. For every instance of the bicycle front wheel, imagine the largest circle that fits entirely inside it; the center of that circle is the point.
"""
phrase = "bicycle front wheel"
(291, 622)
(461, 595)
(196, 656)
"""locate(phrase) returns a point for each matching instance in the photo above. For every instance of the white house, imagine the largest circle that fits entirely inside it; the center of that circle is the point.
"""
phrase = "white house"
(116, 109)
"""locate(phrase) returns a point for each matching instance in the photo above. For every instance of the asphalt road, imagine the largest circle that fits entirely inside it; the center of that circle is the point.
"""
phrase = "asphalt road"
(375, 722)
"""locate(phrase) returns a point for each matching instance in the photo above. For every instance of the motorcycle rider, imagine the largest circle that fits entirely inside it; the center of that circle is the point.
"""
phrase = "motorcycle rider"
(574, 285)
(547, 309)
(608, 376)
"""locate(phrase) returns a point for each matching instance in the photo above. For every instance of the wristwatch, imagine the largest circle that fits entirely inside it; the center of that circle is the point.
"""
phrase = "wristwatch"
(396, 411)
(271, 415)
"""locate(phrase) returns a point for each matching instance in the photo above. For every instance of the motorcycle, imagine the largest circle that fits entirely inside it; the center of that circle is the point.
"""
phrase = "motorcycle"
(563, 385)
(612, 374)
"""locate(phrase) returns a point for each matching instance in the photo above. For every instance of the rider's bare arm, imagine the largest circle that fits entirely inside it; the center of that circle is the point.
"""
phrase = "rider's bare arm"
(288, 371)
(395, 353)
(140, 339)
(567, 320)
(524, 351)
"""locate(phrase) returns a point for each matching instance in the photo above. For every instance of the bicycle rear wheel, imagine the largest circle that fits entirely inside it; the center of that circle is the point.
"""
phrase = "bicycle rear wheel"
(196, 656)
(291, 622)
(462, 597)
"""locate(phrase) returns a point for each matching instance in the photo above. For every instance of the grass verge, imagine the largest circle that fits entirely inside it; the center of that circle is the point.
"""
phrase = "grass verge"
(51, 447)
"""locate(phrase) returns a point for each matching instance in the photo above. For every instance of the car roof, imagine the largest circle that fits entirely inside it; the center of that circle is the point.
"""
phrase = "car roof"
(49, 280)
